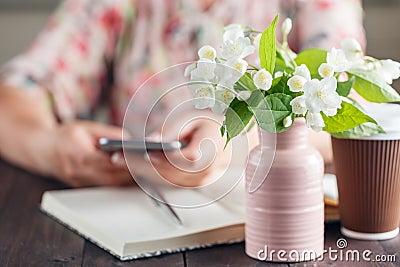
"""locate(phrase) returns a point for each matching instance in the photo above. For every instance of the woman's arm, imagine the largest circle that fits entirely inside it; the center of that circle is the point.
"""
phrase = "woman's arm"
(31, 138)
(59, 76)
(24, 126)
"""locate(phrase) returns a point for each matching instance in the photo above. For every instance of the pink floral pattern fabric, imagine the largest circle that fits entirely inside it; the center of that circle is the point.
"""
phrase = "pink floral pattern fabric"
(100, 51)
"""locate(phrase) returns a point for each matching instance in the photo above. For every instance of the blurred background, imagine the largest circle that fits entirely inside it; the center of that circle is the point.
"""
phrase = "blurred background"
(20, 21)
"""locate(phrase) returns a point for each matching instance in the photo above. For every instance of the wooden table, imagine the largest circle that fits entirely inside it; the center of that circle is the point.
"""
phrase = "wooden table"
(30, 238)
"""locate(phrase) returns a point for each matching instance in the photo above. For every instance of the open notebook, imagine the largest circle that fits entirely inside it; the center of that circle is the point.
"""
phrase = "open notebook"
(127, 223)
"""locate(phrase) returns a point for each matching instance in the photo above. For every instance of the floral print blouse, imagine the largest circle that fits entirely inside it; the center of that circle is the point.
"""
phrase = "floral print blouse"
(93, 51)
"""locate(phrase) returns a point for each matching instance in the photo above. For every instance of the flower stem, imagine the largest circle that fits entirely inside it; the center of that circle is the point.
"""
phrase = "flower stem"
(253, 67)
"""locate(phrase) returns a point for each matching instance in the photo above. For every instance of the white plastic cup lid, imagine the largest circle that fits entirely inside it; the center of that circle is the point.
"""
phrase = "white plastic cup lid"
(387, 116)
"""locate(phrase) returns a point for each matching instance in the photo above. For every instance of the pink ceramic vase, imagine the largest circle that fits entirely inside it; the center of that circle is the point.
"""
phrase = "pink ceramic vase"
(285, 214)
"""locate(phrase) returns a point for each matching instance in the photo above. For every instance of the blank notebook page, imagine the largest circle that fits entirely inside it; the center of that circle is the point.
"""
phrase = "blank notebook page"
(113, 217)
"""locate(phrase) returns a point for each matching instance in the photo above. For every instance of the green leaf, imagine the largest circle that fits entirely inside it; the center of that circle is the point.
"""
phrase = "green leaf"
(312, 58)
(343, 88)
(255, 98)
(281, 64)
(271, 112)
(237, 116)
(279, 85)
(355, 103)
(365, 129)
(245, 83)
(286, 55)
(250, 126)
(371, 87)
(267, 49)
(222, 129)
(346, 118)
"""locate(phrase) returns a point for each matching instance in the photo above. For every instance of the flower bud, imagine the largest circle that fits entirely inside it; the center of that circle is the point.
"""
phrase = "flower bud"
(286, 26)
(287, 122)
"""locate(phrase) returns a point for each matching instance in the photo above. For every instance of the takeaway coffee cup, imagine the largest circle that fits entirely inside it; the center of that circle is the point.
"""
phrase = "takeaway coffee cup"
(368, 176)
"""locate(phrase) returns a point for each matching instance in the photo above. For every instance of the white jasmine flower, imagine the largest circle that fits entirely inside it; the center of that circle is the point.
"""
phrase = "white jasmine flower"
(322, 96)
(237, 64)
(204, 71)
(296, 83)
(243, 95)
(207, 52)
(315, 121)
(299, 105)
(337, 59)
(233, 33)
(303, 71)
(388, 69)
(239, 47)
(226, 76)
(286, 26)
(352, 49)
(262, 79)
(300, 76)
(204, 96)
(234, 69)
(233, 26)
(223, 97)
(287, 122)
(325, 70)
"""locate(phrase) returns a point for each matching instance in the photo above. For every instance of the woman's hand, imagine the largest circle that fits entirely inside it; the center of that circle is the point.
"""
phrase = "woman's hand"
(203, 152)
(76, 160)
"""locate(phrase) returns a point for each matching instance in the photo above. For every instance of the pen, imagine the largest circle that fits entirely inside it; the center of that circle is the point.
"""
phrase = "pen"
(160, 201)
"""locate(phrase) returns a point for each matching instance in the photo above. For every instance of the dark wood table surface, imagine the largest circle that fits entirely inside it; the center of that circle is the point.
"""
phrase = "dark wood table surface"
(30, 238)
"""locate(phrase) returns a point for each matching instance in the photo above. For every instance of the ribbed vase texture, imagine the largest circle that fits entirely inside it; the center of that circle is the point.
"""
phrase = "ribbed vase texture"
(368, 175)
(286, 213)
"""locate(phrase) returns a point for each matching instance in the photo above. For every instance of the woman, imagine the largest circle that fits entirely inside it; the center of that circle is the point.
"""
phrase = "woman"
(95, 50)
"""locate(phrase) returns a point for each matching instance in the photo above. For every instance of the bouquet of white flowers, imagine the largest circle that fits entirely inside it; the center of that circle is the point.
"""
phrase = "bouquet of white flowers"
(283, 85)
